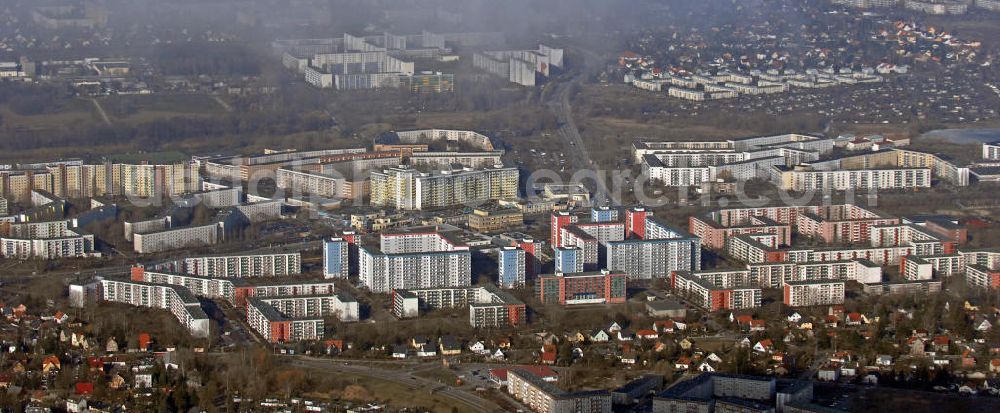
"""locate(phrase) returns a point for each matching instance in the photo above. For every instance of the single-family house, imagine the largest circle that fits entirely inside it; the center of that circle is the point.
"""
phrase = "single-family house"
(647, 334)
(764, 346)
(478, 347)
(614, 327)
(449, 346)
(599, 336)
(626, 335)
(682, 364)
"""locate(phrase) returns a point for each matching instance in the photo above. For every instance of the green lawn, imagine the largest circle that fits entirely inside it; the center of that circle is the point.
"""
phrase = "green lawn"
(145, 107)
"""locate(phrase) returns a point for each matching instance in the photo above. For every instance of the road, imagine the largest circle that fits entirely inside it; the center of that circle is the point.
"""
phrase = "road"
(405, 378)
(101, 112)
(558, 100)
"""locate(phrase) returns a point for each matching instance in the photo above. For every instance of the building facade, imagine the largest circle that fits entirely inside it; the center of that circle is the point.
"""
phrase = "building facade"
(604, 287)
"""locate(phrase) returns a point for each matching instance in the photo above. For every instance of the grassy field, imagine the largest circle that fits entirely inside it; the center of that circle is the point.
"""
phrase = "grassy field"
(69, 112)
(143, 108)
(367, 389)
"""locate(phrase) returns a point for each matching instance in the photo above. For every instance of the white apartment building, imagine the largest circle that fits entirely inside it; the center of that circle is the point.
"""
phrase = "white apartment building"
(239, 266)
(861, 270)
(406, 188)
(234, 290)
(914, 268)
(475, 160)
(519, 66)
(313, 183)
(714, 297)
(685, 93)
(804, 179)
(275, 327)
(472, 138)
(692, 163)
(45, 240)
(810, 293)
(489, 307)
(420, 257)
(662, 250)
(341, 305)
(981, 276)
(176, 238)
(148, 225)
(176, 299)
(991, 151)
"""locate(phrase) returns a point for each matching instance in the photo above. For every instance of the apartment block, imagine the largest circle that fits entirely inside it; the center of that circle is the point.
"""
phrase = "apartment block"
(336, 258)
(946, 265)
(557, 221)
(341, 305)
(408, 188)
(336, 186)
(544, 397)
(914, 268)
(772, 274)
(714, 297)
(991, 150)
(237, 266)
(176, 299)
(603, 286)
(495, 219)
(694, 163)
(420, 257)
(275, 327)
(519, 66)
(845, 223)
(45, 240)
(716, 392)
(489, 307)
(981, 276)
(810, 293)
(635, 222)
(234, 290)
(754, 248)
(467, 137)
(146, 225)
(877, 255)
(714, 234)
(568, 259)
(860, 270)
(511, 267)
(588, 246)
(244, 289)
(176, 238)
(663, 249)
(903, 287)
(801, 179)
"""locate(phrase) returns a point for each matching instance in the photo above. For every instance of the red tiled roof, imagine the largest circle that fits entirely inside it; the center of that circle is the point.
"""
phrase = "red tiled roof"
(84, 388)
